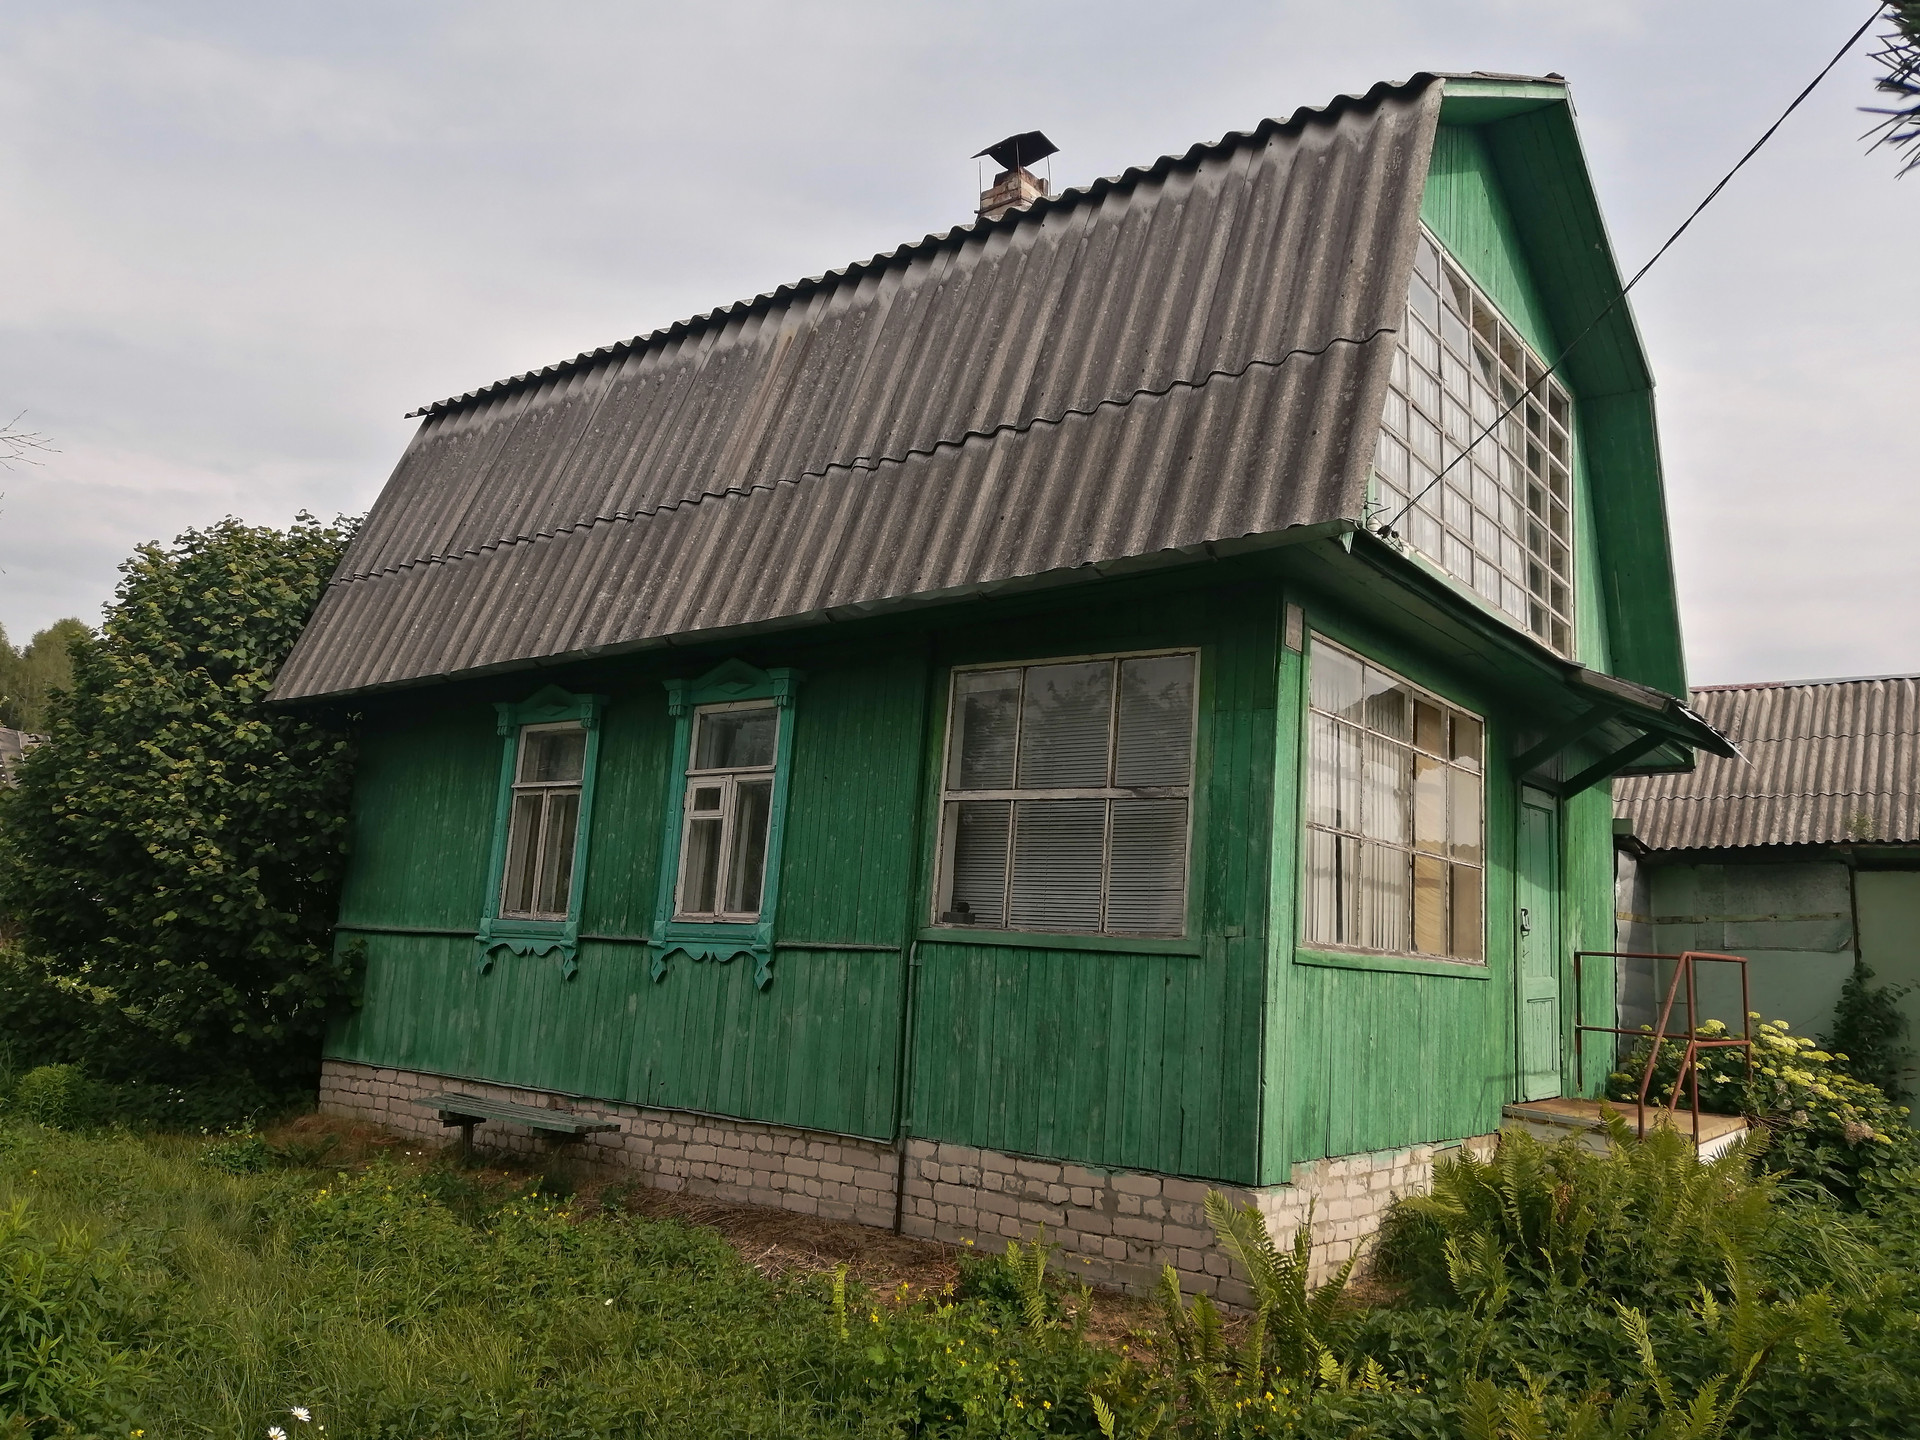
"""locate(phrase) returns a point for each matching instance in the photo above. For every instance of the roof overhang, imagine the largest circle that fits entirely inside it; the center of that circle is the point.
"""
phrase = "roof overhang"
(1620, 726)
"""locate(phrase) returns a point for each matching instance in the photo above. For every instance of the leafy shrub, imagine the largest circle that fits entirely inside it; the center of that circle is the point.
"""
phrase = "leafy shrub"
(1870, 1032)
(174, 849)
(58, 1096)
(1826, 1125)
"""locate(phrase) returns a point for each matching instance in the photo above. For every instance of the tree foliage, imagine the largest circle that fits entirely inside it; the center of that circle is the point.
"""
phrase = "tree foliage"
(174, 849)
(29, 677)
(1899, 60)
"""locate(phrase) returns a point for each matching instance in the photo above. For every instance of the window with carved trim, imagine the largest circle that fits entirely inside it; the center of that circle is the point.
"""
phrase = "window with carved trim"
(727, 811)
(543, 822)
(1067, 796)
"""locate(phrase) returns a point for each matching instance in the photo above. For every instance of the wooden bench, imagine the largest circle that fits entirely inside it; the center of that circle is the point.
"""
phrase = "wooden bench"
(467, 1111)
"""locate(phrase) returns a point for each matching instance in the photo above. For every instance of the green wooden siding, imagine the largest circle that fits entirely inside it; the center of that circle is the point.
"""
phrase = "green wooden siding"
(1371, 1059)
(1111, 1057)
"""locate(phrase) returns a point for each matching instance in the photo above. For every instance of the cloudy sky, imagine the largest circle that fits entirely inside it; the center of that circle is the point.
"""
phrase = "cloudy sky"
(241, 240)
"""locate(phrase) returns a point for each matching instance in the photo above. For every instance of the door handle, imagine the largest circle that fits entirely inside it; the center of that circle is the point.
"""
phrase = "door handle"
(1526, 923)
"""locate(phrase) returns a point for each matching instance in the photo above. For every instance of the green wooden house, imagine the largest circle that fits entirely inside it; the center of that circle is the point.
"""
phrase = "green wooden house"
(1082, 708)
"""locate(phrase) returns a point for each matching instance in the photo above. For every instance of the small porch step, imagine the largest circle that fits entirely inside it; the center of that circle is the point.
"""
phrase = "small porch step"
(1558, 1118)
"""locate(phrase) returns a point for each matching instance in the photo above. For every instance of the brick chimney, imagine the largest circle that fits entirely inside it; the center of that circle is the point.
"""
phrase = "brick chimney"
(1015, 187)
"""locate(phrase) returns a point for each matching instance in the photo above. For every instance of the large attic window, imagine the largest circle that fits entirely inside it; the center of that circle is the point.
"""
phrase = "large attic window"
(1501, 522)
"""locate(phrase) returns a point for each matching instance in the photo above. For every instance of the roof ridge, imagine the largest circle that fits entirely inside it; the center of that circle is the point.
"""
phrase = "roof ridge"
(854, 270)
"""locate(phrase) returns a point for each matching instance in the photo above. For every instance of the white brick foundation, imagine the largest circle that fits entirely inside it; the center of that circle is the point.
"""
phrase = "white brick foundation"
(1115, 1227)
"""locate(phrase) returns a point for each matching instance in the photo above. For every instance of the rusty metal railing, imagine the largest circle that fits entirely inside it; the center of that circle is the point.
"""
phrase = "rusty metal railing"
(1689, 1073)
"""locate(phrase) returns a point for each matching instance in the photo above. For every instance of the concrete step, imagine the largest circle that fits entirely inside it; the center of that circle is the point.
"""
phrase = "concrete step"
(1556, 1119)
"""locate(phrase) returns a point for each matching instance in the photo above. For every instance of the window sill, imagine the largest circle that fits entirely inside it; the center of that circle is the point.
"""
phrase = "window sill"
(1050, 940)
(1398, 964)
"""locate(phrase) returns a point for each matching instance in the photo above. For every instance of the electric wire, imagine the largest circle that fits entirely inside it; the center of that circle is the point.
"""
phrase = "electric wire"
(1386, 530)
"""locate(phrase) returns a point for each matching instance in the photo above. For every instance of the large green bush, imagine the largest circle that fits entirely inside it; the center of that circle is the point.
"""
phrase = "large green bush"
(173, 852)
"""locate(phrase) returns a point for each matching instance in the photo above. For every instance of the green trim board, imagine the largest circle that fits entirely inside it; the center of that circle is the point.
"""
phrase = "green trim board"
(1051, 940)
(1400, 964)
(721, 942)
(547, 706)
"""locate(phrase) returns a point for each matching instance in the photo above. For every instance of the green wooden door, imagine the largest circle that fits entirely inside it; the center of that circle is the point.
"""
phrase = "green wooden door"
(1538, 898)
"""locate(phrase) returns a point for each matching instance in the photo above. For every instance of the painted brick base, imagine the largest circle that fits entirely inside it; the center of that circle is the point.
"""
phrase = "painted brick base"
(1115, 1227)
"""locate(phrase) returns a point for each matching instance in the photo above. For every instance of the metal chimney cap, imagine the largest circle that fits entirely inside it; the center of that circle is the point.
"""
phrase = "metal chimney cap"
(1018, 151)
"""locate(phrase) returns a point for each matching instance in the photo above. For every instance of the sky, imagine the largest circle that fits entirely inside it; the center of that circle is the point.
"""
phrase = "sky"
(241, 241)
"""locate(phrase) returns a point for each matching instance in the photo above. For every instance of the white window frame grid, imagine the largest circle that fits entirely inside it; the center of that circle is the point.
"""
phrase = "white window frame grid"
(547, 789)
(950, 798)
(1502, 527)
(728, 778)
(1308, 825)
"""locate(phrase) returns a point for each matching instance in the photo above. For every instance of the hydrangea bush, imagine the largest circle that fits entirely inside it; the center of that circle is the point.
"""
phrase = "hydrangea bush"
(1825, 1125)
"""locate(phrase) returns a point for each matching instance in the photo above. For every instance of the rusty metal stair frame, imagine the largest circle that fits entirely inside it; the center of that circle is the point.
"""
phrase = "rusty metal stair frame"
(1689, 1073)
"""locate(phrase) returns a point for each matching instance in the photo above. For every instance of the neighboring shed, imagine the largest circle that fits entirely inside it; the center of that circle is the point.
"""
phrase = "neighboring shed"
(1803, 855)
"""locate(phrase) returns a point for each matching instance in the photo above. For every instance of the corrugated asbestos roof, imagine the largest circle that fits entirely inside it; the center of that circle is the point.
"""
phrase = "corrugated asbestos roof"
(1831, 762)
(1176, 357)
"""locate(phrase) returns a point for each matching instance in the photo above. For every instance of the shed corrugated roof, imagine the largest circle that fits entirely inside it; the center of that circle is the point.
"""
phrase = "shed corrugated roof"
(1829, 762)
(1179, 356)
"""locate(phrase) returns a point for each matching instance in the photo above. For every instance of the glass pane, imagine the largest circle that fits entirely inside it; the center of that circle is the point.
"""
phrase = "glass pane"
(1058, 849)
(1147, 884)
(1334, 682)
(735, 739)
(1334, 775)
(746, 866)
(1463, 815)
(1320, 897)
(707, 798)
(986, 711)
(978, 894)
(1430, 727)
(523, 853)
(1466, 914)
(1466, 740)
(700, 867)
(1389, 784)
(1383, 898)
(556, 851)
(1430, 805)
(1155, 741)
(550, 757)
(1065, 725)
(1429, 905)
(1386, 705)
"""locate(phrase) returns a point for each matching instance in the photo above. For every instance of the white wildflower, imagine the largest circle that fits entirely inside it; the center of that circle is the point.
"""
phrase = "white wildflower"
(301, 1413)
(274, 1432)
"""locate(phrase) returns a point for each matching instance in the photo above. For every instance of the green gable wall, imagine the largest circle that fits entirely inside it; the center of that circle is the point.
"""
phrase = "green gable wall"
(1465, 206)
(1521, 147)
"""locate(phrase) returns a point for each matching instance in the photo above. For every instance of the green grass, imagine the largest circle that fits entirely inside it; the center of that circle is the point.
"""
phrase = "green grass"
(162, 1286)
